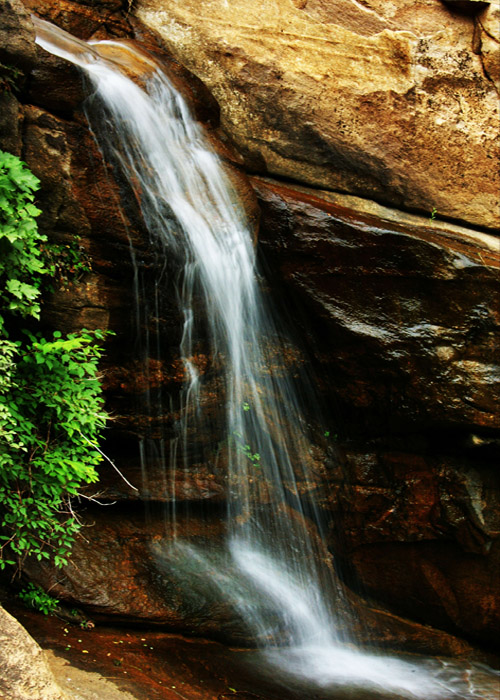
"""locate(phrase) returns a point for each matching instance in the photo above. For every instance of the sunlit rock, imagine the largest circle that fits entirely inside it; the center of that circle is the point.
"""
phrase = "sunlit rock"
(24, 671)
(390, 101)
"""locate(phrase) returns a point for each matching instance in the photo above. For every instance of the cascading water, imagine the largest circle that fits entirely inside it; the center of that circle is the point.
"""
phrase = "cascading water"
(274, 569)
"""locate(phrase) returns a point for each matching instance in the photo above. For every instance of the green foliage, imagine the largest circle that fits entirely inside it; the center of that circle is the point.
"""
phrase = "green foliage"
(50, 418)
(50, 396)
(243, 448)
(241, 445)
(21, 265)
(66, 262)
(433, 214)
(35, 597)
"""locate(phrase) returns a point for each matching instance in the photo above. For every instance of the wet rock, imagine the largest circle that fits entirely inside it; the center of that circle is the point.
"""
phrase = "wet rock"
(403, 322)
(421, 533)
(55, 85)
(406, 316)
(83, 19)
(436, 582)
(394, 102)
(402, 315)
(130, 569)
(79, 196)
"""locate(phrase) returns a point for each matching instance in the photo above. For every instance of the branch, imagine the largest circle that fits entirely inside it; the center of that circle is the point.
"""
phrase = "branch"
(96, 447)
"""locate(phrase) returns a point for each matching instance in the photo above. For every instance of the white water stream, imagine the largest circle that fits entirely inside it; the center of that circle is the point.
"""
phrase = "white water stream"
(275, 569)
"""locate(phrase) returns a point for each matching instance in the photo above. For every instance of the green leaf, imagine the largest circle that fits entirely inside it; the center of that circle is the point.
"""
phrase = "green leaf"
(51, 403)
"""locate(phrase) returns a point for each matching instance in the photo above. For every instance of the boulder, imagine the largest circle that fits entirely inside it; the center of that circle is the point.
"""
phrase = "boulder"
(24, 671)
(391, 101)
(405, 314)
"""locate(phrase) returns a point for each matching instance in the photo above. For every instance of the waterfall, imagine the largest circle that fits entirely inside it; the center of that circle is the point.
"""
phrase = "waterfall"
(274, 568)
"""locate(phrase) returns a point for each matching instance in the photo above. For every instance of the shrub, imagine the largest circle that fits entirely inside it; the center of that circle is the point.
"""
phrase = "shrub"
(35, 597)
(51, 405)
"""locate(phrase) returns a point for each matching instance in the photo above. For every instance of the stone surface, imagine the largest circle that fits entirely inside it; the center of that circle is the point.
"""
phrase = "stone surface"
(129, 570)
(408, 315)
(84, 684)
(488, 41)
(83, 19)
(153, 665)
(24, 671)
(17, 49)
(389, 101)
(404, 324)
(422, 534)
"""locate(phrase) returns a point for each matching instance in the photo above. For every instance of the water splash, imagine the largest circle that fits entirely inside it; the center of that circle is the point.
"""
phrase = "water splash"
(275, 569)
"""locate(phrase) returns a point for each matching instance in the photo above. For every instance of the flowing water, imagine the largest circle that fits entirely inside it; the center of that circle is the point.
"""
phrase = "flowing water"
(273, 568)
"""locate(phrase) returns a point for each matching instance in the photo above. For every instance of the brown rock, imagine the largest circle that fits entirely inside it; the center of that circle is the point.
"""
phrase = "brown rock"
(436, 582)
(17, 55)
(488, 41)
(403, 319)
(152, 661)
(83, 19)
(430, 525)
(24, 672)
(55, 85)
(10, 123)
(408, 314)
(17, 48)
(385, 100)
(47, 152)
(403, 313)
(129, 569)
(79, 197)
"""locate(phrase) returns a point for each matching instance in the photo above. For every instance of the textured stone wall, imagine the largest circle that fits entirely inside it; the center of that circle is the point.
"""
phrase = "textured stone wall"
(405, 326)
(396, 101)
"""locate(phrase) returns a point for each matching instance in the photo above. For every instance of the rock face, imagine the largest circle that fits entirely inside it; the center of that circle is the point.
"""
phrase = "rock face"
(392, 101)
(419, 302)
(24, 672)
(399, 313)
(147, 583)
(406, 333)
